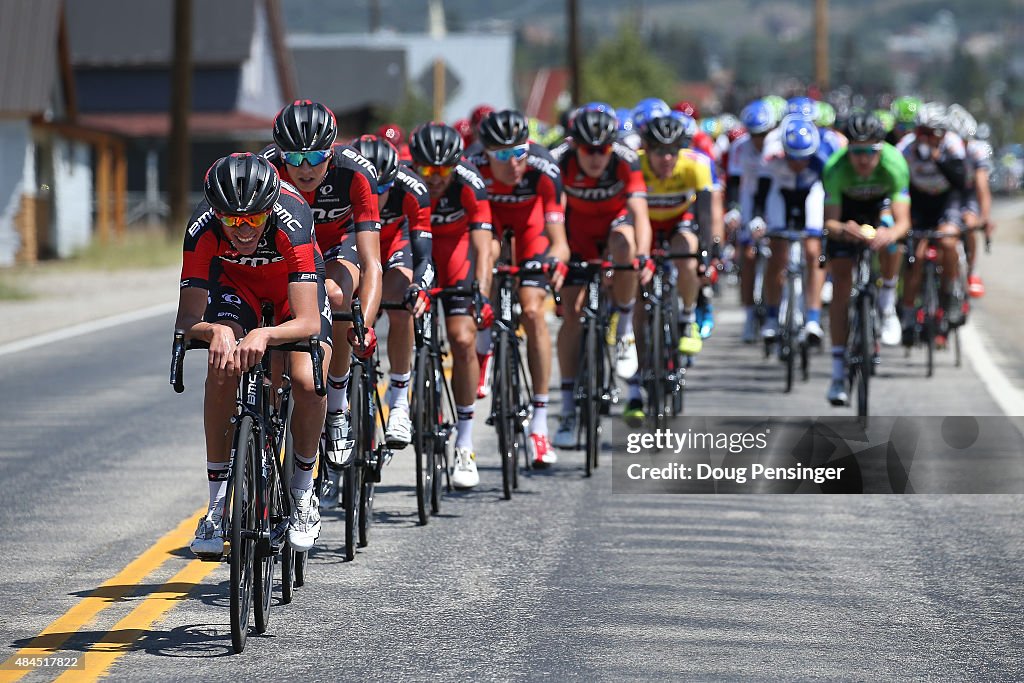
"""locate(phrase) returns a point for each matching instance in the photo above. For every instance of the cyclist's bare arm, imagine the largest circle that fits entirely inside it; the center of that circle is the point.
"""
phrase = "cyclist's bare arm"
(368, 247)
(641, 223)
(481, 239)
(221, 337)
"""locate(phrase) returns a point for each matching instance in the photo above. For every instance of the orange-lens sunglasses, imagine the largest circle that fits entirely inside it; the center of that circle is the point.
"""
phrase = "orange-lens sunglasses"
(256, 220)
(427, 171)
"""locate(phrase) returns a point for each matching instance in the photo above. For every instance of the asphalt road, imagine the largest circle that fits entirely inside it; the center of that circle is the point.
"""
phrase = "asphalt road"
(100, 460)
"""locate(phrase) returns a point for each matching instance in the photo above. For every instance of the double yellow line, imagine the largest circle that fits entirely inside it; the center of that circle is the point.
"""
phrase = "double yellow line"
(119, 639)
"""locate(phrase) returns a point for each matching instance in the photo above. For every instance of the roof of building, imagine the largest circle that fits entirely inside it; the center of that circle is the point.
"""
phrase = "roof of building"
(363, 77)
(28, 53)
(480, 65)
(141, 32)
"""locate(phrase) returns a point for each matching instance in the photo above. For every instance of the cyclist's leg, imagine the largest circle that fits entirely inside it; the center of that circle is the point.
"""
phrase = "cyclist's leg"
(396, 281)
(484, 339)
(622, 250)
(746, 256)
(569, 343)
(773, 287)
(814, 277)
(841, 259)
(688, 285)
(343, 268)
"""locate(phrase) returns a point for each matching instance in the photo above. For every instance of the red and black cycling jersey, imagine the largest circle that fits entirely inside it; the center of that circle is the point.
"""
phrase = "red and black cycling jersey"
(463, 206)
(514, 205)
(604, 196)
(407, 211)
(286, 252)
(346, 200)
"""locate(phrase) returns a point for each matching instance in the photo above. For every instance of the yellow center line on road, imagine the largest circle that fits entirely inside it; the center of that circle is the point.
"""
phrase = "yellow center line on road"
(112, 591)
(119, 640)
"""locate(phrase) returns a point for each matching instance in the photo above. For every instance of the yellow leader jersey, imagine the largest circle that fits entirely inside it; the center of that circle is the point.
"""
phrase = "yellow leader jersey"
(669, 198)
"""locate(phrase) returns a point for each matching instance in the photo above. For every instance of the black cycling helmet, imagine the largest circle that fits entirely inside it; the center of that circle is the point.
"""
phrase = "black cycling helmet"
(303, 126)
(382, 154)
(503, 129)
(242, 184)
(594, 127)
(863, 126)
(664, 131)
(435, 144)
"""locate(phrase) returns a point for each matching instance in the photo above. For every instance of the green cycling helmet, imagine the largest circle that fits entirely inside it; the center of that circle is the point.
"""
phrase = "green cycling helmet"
(776, 104)
(887, 119)
(826, 117)
(904, 109)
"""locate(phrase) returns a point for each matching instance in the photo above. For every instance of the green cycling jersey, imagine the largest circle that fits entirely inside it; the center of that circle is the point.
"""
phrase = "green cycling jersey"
(890, 179)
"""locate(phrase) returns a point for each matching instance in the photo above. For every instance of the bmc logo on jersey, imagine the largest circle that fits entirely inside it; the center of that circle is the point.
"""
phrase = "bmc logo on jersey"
(194, 229)
(548, 168)
(287, 218)
(453, 217)
(321, 215)
(596, 194)
(470, 177)
(412, 183)
(361, 160)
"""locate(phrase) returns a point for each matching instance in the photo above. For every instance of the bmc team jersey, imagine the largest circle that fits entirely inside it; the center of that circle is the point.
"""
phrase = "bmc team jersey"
(527, 207)
(344, 203)
(405, 227)
(596, 205)
(462, 208)
(238, 284)
(668, 199)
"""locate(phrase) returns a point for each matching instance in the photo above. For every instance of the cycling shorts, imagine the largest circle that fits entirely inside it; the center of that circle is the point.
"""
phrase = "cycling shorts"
(455, 260)
(395, 249)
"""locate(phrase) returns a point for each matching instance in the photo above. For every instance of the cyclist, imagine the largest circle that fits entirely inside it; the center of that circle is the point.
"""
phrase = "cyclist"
(858, 182)
(627, 129)
(936, 158)
(250, 240)
(606, 209)
(340, 186)
(796, 191)
(461, 225)
(679, 188)
(405, 241)
(977, 200)
(392, 132)
(904, 111)
(525, 192)
(746, 191)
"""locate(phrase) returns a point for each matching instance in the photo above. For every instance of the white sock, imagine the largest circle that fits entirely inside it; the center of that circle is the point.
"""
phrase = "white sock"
(625, 320)
(464, 429)
(337, 392)
(838, 362)
(539, 423)
(483, 341)
(398, 396)
(302, 472)
(217, 473)
(887, 297)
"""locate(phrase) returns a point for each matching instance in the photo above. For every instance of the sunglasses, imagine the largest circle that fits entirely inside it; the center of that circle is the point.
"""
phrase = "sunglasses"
(256, 220)
(664, 151)
(509, 153)
(314, 157)
(865, 149)
(440, 171)
(381, 189)
(596, 149)
(930, 132)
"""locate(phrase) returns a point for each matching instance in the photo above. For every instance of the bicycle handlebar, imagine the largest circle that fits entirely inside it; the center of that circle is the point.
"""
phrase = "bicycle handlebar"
(312, 346)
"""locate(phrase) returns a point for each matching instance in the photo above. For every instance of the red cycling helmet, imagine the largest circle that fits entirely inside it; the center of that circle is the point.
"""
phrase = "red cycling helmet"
(687, 108)
(736, 133)
(392, 133)
(465, 130)
(478, 114)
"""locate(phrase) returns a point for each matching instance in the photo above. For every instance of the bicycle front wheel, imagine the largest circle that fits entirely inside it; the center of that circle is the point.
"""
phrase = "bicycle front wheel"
(866, 351)
(506, 414)
(243, 524)
(657, 366)
(930, 302)
(423, 432)
(787, 343)
(591, 399)
(269, 501)
(353, 474)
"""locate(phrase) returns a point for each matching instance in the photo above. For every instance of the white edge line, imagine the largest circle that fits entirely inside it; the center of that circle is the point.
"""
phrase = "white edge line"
(38, 340)
(1009, 398)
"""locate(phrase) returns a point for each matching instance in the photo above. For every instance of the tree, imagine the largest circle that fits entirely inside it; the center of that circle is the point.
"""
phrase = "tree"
(623, 71)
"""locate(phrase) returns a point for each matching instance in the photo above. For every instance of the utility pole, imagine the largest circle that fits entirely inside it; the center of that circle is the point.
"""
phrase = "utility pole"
(821, 76)
(181, 104)
(575, 77)
(374, 16)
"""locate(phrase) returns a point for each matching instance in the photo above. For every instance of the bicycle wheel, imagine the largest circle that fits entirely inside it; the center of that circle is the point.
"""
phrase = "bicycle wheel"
(523, 391)
(423, 432)
(658, 362)
(243, 523)
(866, 350)
(289, 563)
(353, 473)
(266, 558)
(676, 360)
(444, 421)
(372, 451)
(788, 330)
(591, 398)
(505, 412)
(930, 303)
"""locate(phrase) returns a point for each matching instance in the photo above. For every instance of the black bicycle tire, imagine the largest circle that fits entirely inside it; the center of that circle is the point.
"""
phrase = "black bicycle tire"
(352, 473)
(866, 351)
(263, 578)
(930, 303)
(591, 409)
(423, 433)
(242, 545)
(674, 331)
(656, 384)
(371, 446)
(789, 336)
(524, 390)
(505, 413)
(289, 561)
(441, 461)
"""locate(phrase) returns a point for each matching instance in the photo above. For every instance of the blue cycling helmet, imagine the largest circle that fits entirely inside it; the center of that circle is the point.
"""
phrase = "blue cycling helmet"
(803, 106)
(758, 117)
(800, 137)
(598, 106)
(647, 109)
(625, 117)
